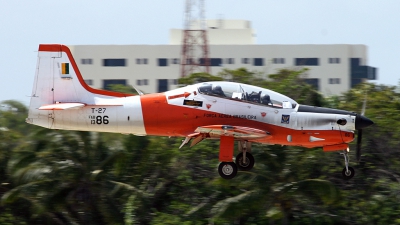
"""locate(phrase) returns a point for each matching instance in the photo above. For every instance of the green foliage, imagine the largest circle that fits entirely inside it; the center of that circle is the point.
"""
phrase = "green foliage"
(242, 75)
(123, 89)
(292, 84)
(197, 78)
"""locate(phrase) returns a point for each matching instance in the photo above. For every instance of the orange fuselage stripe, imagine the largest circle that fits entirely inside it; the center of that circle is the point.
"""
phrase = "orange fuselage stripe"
(163, 119)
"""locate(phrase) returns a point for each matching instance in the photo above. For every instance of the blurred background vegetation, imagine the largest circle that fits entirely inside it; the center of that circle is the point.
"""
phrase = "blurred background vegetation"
(71, 177)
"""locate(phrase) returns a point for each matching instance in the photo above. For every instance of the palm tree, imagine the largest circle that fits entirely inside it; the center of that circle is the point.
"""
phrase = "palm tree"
(65, 177)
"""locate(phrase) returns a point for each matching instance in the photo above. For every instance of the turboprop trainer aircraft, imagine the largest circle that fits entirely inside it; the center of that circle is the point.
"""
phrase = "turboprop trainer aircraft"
(213, 110)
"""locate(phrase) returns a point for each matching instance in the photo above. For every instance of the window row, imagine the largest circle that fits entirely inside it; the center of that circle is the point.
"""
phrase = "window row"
(334, 80)
(119, 62)
(139, 82)
(161, 84)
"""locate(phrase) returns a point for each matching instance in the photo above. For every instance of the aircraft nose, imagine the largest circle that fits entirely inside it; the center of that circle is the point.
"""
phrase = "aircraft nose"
(363, 122)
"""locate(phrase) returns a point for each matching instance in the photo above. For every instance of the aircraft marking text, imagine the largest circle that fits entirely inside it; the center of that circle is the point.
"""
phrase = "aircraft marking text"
(219, 115)
(99, 110)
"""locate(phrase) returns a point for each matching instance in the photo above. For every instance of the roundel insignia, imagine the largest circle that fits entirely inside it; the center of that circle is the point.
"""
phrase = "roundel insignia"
(208, 106)
(263, 114)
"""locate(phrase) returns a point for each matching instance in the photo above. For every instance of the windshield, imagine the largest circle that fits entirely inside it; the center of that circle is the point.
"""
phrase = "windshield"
(246, 93)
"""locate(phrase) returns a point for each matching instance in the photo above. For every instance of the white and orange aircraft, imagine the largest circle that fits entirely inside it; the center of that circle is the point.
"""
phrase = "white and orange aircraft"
(213, 110)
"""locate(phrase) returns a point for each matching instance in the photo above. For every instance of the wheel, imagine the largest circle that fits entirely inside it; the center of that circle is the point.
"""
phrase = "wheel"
(348, 175)
(248, 164)
(227, 170)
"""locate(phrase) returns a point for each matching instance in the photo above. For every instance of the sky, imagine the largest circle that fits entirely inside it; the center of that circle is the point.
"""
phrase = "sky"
(24, 24)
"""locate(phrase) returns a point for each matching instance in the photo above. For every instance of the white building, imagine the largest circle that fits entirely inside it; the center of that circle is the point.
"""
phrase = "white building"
(155, 68)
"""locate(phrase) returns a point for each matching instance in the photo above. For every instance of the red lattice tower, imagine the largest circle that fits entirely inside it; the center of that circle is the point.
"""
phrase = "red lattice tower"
(195, 51)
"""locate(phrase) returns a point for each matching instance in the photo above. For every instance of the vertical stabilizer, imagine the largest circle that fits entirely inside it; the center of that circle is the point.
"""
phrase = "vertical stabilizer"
(58, 80)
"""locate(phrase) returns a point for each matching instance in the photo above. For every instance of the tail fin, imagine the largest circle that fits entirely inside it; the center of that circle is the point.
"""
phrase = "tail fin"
(58, 81)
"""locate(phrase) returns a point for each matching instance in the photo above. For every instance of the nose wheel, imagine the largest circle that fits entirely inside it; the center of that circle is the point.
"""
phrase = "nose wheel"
(347, 172)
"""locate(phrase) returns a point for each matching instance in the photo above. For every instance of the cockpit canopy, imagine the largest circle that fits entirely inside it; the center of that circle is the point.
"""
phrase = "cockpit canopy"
(246, 93)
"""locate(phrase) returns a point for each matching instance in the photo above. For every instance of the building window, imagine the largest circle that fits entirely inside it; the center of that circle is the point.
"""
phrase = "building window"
(189, 61)
(175, 61)
(141, 61)
(216, 61)
(334, 80)
(86, 61)
(213, 62)
(114, 62)
(107, 83)
(230, 61)
(162, 62)
(306, 61)
(278, 60)
(245, 61)
(359, 72)
(334, 60)
(162, 85)
(142, 82)
(258, 62)
(313, 82)
(89, 82)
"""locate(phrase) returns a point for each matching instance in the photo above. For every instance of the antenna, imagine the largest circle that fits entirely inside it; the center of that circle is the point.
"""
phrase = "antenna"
(194, 57)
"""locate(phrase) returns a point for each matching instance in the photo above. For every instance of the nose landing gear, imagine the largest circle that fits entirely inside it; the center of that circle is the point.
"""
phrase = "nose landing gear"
(347, 172)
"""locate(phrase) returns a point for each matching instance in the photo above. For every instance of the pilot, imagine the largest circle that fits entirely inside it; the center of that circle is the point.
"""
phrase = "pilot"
(254, 97)
(205, 89)
(266, 100)
(217, 90)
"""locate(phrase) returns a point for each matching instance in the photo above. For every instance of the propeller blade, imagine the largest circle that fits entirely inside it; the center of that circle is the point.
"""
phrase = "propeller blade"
(364, 105)
(358, 150)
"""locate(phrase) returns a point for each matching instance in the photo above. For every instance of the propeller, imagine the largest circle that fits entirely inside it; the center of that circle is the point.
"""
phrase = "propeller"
(361, 122)
(358, 150)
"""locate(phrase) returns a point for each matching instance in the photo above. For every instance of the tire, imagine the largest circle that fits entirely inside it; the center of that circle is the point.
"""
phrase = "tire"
(227, 170)
(348, 175)
(248, 165)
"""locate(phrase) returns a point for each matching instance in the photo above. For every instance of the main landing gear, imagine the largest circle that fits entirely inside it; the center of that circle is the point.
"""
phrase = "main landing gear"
(244, 161)
(347, 172)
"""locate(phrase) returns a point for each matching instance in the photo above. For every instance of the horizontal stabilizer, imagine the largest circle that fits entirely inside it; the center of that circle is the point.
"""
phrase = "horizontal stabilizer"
(62, 106)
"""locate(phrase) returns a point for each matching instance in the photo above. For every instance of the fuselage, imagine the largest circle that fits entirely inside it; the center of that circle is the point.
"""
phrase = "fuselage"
(179, 112)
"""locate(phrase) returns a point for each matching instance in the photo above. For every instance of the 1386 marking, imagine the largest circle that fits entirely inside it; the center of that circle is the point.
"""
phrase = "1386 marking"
(98, 119)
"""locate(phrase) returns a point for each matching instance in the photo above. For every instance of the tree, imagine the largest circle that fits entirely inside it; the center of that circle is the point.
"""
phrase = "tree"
(66, 178)
(292, 83)
(197, 78)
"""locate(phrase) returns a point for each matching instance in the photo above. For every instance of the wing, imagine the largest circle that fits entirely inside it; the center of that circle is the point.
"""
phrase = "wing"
(216, 131)
(238, 132)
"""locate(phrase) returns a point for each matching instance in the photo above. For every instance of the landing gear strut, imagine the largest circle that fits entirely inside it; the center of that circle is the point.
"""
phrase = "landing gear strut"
(347, 172)
(244, 160)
